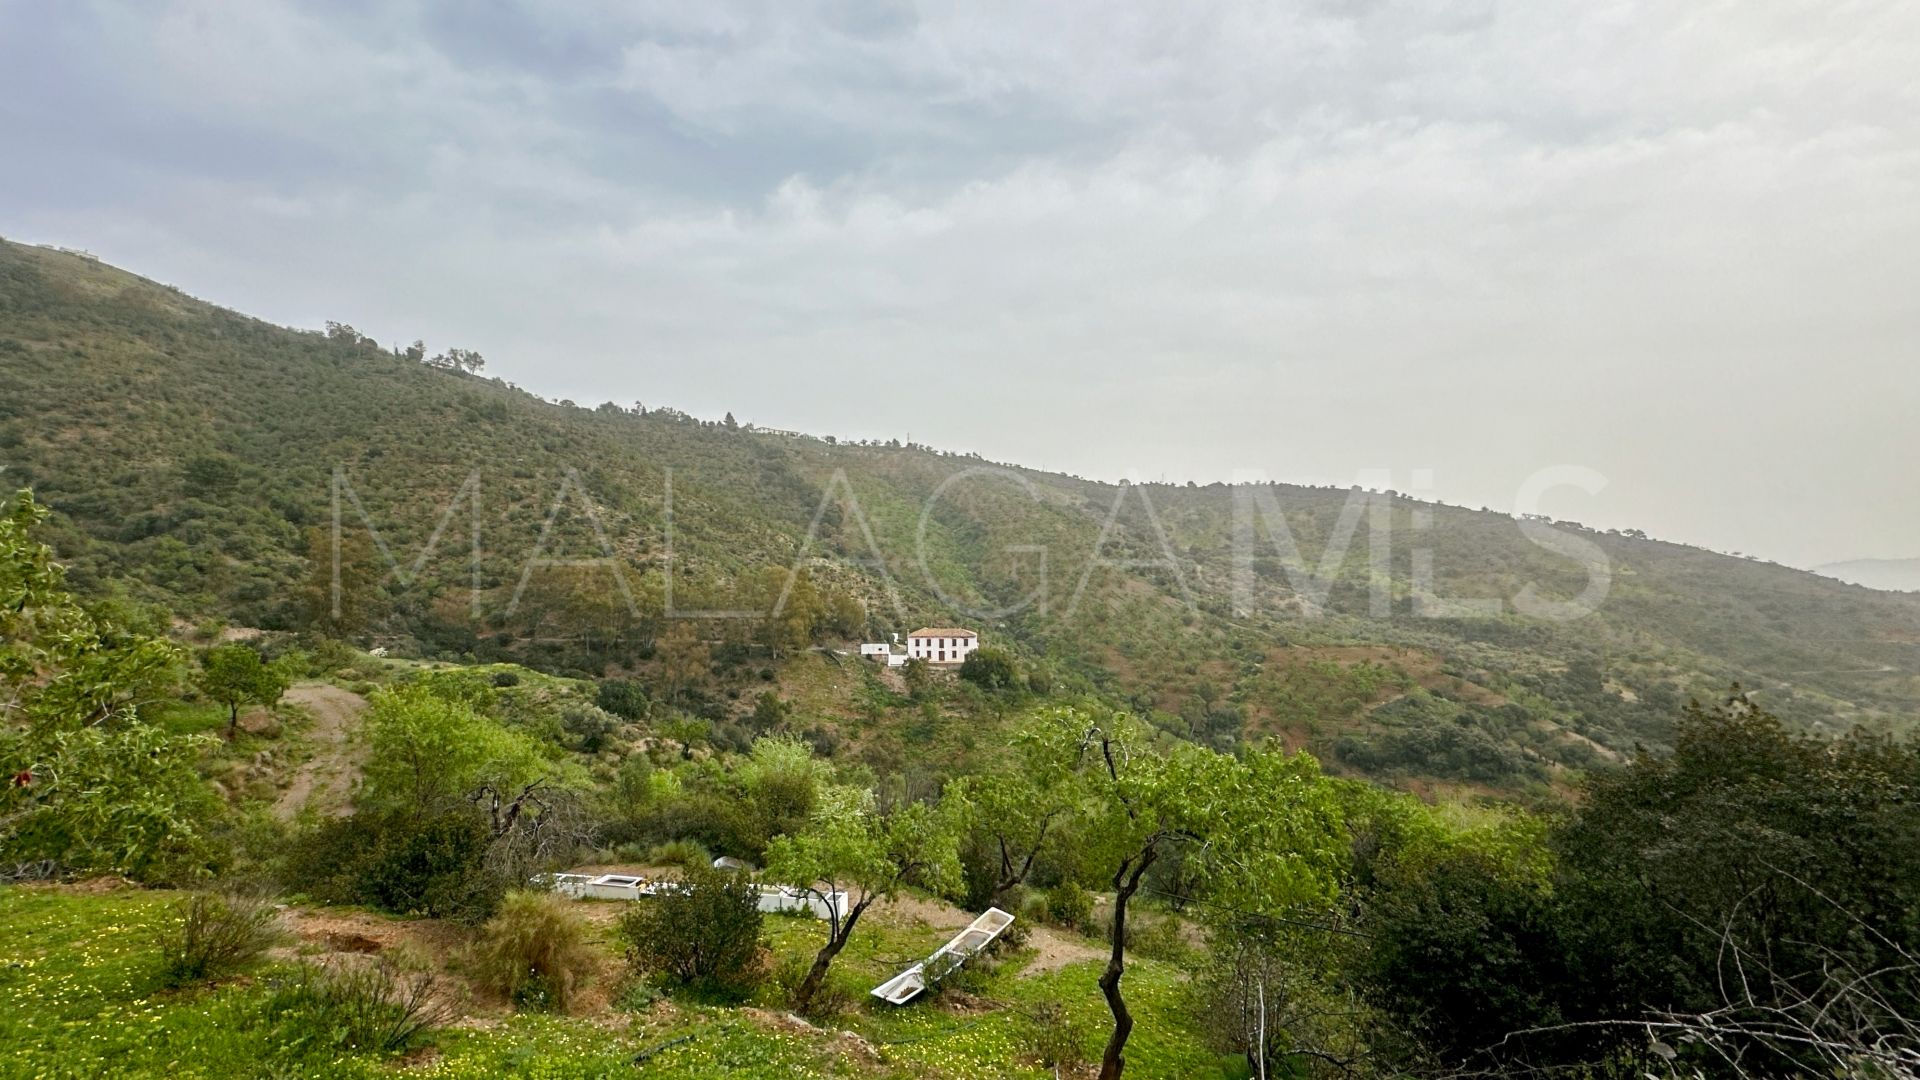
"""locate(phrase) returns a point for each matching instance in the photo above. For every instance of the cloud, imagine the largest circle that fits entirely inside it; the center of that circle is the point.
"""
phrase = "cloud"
(1675, 246)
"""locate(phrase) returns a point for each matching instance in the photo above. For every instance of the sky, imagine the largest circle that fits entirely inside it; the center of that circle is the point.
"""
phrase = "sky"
(1676, 246)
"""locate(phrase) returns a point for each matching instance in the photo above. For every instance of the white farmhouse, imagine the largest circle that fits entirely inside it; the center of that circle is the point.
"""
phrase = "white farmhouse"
(941, 644)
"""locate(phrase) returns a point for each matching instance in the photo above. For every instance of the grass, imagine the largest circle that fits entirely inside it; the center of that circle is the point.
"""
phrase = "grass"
(189, 718)
(929, 1039)
(82, 995)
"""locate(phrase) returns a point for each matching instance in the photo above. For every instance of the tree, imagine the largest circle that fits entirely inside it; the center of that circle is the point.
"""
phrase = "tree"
(234, 675)
(989, 668)
(769, 713)
(1261, 833)
(1013, 810)
(465, 360)
(684, 659)
(791, 607)
(590, 726)
(782, 780)
(210, 476)
(1463, 953)
(869, 851)
(347, 335)
(1272, 992)
(88, 784)
(846, 615)
(341, 594)
(427, 754)
(1788, 856)
(623, 698)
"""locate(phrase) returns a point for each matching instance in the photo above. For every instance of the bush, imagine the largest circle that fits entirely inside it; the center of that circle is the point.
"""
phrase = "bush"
(1158, 939)
(505, 679)
(836, 996)
(683, 853)
(1069, 905)
(1012, 939)
(989, 668)
(1054, 1039)
(590, 727)
(704, 935)
(534, 952)
(623, 698)
(434, 865)
(1033, 908)
(379, 1005)
(218, 935)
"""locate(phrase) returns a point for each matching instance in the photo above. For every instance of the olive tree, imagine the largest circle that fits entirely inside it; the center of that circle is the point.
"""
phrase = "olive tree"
(1014, 809)
(1260, 832)
(855, 845)
(234, 675)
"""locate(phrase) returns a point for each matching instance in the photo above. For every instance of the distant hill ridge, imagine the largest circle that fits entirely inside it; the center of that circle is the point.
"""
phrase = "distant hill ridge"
(190, 453)
(1894, 575)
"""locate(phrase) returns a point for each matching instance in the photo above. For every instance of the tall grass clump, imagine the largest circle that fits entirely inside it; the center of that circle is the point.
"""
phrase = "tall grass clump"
(534, 951)
(218, 934)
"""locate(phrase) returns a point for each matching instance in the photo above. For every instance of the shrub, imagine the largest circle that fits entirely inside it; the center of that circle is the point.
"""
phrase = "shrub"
(623, 698)
(1012, 939)
(534, 952)
(966, 975)
(989, 668)
(1033, 908)
(505, 679)
(1054, 1038)
(704, 935)
(1158, 939)
(1069, 905)
(219, 934)
(380, 1005)
(590, 726)
(835, 996)
(434, 865)
(684, 853)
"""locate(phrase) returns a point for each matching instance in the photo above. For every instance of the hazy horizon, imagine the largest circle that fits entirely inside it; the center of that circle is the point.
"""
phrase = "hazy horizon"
(1676, 250)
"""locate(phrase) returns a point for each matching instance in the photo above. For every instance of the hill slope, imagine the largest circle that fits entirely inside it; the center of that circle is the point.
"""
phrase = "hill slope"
(1893, 575)
(191, 454)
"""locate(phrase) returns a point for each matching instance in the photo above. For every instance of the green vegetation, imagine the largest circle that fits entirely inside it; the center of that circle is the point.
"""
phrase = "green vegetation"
(534, 951)
(190, 456)
(704, 936)
(219, 934)
(1191, 807)
(234, 675)
(856, 846)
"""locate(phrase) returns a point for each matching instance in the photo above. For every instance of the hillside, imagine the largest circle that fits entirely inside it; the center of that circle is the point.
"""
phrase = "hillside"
(190, 454)
(1893, 575)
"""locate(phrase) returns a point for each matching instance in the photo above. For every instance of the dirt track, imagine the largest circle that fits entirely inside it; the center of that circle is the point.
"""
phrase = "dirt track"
(326, 778)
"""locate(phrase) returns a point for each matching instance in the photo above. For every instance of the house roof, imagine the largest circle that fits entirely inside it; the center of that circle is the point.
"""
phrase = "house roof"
(942, 631)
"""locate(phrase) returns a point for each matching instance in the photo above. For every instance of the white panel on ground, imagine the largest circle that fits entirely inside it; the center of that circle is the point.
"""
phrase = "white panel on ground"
(907, 985)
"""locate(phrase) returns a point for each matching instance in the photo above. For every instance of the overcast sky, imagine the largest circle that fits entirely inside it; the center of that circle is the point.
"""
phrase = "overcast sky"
(1677, 244)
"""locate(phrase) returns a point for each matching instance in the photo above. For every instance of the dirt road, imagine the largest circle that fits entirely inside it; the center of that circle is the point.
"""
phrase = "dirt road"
(326, 778)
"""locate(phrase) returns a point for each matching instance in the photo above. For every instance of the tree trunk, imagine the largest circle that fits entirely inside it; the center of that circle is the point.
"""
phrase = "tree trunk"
(1126, 881)
(233, 720)
(817, 974)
